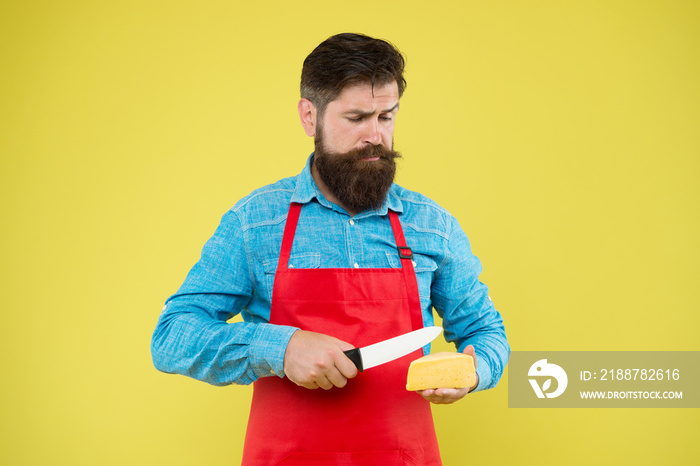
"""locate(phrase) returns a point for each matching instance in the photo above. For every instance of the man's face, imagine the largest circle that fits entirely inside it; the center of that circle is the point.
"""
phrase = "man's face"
(353, 145)
(359, 117)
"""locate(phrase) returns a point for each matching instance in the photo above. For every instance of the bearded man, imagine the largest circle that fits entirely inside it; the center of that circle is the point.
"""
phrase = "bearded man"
(335, 258)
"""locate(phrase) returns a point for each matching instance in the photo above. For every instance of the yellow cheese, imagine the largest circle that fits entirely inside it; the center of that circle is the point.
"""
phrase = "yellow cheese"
(441, 370)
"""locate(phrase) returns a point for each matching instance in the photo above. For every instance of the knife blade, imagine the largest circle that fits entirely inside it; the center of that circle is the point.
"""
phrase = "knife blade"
(393, 348)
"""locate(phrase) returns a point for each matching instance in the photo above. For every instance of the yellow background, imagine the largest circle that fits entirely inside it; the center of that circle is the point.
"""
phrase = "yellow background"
(563, 135)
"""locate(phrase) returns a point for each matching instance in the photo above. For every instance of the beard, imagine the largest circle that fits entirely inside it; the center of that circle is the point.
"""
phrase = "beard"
(357, 184)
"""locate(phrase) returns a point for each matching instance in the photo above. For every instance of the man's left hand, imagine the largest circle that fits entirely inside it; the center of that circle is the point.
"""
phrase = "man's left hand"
(445, 396)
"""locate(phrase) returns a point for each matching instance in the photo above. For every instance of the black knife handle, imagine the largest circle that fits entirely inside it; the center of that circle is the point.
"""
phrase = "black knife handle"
(356, 357)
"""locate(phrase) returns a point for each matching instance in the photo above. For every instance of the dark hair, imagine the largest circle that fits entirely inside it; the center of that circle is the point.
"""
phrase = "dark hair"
(346, 59)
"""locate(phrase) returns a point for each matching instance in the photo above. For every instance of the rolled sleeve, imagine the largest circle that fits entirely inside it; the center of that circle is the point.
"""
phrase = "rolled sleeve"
(491, 358)
(483, 371)
(267, 349)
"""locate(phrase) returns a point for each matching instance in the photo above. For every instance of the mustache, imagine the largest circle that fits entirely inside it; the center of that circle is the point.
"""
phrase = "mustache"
(373, 151)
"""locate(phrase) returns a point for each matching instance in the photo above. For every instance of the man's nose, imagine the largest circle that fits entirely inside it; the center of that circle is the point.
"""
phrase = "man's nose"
(372, 135)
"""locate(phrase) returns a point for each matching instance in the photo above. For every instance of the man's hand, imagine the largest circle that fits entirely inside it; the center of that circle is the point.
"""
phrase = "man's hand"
(315, 360)
(445, 396)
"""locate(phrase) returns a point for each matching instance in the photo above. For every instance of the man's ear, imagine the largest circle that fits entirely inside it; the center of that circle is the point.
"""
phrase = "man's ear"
(307, 114)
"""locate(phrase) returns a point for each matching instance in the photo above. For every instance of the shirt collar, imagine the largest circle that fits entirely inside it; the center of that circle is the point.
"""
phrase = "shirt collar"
(306, 190)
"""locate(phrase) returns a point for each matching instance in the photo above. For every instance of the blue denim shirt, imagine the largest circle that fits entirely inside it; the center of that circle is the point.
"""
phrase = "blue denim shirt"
(237, 268)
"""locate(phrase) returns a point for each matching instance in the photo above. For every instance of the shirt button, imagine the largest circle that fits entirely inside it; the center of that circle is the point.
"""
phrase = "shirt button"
(357, 266)
(352, 222)
(414, 263)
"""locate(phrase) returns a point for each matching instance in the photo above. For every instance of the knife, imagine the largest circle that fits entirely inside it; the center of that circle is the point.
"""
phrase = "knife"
(393, 348)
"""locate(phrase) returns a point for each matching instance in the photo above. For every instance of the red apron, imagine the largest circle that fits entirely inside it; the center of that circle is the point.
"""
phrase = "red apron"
(373, 420)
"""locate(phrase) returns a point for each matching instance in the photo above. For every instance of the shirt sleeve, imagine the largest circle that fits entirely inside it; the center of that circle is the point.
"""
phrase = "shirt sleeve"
(192, 336)
(469, 316)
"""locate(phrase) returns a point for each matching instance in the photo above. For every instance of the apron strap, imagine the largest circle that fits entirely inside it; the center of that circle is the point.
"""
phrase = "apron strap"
(406, 256)
(290, 229)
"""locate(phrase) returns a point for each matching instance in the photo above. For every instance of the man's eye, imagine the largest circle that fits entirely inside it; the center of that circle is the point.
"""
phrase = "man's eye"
(385, 118)
(355, 120)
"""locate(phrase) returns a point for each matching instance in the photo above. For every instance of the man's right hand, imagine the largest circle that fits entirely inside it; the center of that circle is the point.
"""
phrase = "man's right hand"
(315, 360)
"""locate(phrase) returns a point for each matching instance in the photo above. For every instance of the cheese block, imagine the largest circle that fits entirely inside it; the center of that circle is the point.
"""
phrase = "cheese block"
(441, 370)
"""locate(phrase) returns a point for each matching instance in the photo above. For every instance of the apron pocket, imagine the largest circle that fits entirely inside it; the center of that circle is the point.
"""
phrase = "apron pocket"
(348, 458)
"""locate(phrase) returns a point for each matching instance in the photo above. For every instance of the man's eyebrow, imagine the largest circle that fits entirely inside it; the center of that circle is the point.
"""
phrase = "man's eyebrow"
(363, 113)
